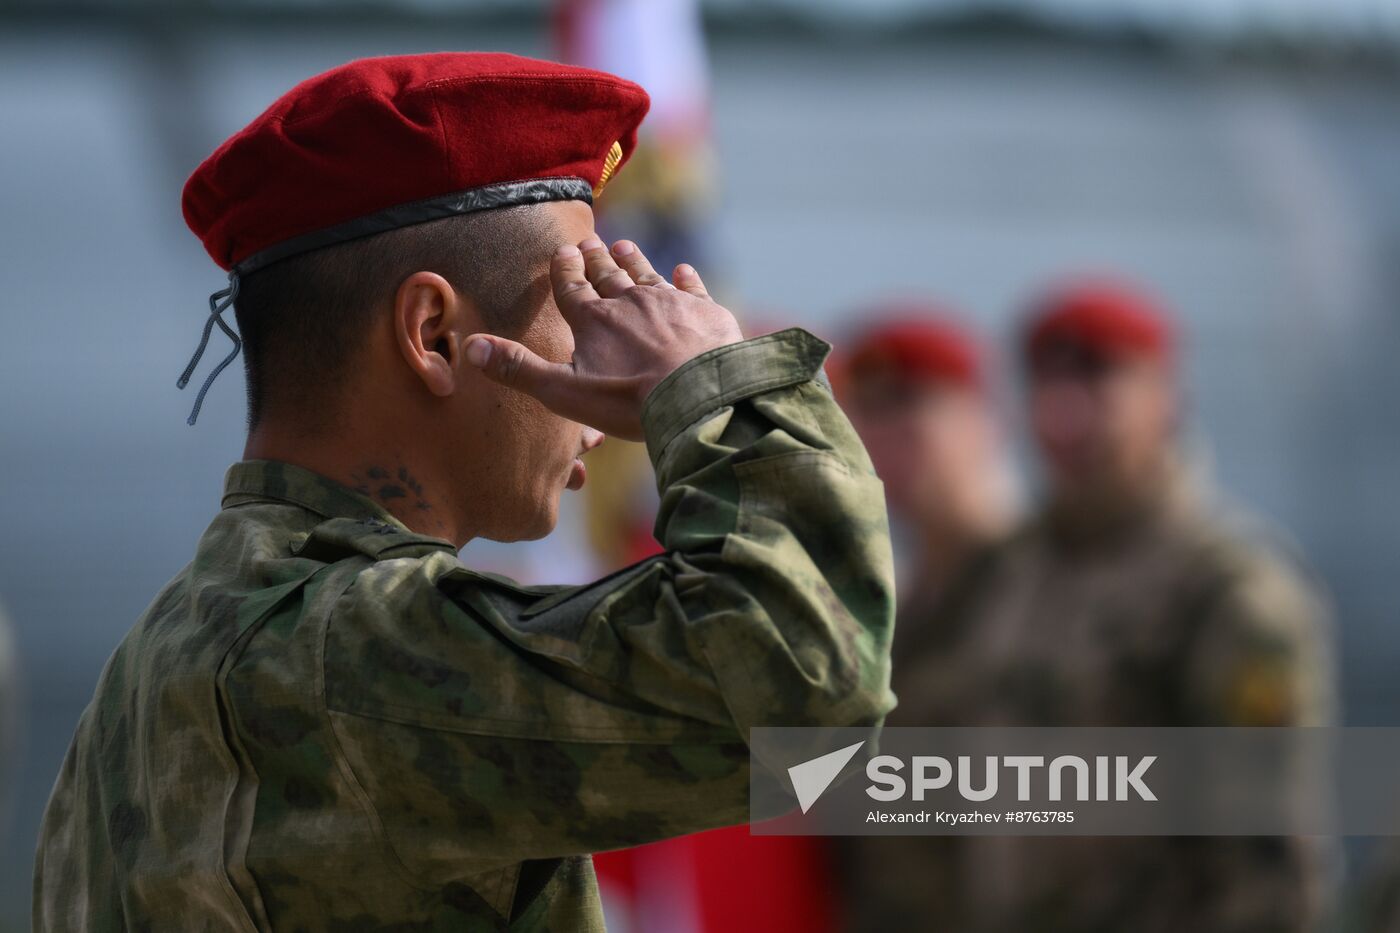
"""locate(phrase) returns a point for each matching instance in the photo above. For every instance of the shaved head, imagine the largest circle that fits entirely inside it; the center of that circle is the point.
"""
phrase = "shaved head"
(304, 319)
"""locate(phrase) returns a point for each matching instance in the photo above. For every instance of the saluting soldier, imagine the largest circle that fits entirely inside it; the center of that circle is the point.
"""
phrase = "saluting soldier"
(1135, 596)
(327, 720)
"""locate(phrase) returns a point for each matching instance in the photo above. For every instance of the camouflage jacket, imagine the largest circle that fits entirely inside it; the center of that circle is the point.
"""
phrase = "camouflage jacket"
(1180, 614)
(327, 721)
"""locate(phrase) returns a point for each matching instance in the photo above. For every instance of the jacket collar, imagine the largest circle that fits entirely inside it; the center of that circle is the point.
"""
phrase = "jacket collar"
(255, 480)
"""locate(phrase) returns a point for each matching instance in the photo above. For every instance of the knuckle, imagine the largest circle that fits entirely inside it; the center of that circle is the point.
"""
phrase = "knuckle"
(642, 294)
(608, 275)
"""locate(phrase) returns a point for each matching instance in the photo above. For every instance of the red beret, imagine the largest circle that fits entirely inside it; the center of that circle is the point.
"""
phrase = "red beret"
(1110, 320)
(917, 343)
(382, 143)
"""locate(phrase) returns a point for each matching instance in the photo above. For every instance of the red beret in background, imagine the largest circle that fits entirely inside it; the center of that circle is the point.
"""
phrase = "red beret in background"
(1105, 319)
(381, 143)
(918, 343)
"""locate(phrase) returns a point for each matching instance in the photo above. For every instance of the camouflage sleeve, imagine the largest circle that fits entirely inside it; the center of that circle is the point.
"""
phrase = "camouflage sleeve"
(1264, 653)
(1263, 658)
(514, 723)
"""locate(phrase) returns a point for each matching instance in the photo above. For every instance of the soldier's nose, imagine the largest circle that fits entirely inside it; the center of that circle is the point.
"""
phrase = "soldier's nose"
(592, 438)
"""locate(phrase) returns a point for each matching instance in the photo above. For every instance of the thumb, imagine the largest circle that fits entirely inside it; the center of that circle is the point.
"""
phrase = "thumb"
(513, 365)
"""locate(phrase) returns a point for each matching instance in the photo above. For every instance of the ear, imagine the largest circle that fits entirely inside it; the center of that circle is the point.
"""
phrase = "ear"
(430, 322)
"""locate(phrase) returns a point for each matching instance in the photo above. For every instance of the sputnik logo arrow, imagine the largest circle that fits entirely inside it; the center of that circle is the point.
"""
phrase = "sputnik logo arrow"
(811, 778)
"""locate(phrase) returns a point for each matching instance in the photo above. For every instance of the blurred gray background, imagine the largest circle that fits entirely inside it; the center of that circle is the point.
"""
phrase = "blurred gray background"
(1248, 168)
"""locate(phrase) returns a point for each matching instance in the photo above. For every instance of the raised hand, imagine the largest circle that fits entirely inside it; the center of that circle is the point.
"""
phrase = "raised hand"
(631, 329)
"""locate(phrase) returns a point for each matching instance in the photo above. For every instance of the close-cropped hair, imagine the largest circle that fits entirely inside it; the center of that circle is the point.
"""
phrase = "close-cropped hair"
(304, 319)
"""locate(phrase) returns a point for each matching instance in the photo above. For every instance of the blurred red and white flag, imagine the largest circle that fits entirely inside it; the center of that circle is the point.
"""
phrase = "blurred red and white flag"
(659, 44)
(723, 881)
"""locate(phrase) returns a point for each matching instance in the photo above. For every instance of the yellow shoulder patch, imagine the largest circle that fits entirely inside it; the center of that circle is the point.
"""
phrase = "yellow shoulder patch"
(1261, 694)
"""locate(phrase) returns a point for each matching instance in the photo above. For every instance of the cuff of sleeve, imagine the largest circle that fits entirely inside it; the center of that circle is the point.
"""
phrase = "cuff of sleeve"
(725, 375)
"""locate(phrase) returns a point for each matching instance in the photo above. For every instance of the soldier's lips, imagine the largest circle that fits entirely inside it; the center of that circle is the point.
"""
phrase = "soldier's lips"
(578, 475)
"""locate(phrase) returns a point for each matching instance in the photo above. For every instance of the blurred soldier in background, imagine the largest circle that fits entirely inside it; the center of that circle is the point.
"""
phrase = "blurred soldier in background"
(1129, 600)
(915, 389)
(915, 386)
(1181, 609)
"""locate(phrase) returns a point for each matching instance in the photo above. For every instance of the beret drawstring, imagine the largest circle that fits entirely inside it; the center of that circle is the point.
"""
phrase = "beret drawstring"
(218, 303)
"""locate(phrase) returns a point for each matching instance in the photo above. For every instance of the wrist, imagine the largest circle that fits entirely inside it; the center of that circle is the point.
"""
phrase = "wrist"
(724, 375)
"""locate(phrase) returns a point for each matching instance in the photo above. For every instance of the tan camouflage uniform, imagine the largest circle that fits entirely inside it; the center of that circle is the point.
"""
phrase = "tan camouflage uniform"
(328, 722)
(1165, 614)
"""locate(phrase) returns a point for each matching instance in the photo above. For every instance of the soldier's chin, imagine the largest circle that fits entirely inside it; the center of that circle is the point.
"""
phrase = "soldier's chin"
(530, 524)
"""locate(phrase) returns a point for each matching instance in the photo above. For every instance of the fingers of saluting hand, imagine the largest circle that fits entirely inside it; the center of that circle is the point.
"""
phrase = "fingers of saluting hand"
(688, 280)
(569, 278)
(590, 270)
(609, 280)
(635, 264)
